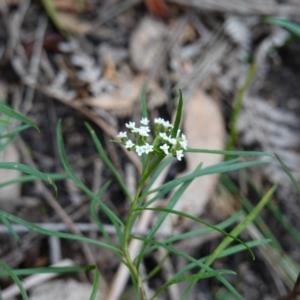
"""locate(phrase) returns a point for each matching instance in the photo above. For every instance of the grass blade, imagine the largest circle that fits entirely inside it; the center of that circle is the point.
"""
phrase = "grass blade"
(10, 228)
(237, 230)
(15, 278)
(292, 27)
(230, 152)
(178, 116)
(13, 114)
(29, 178)
(216, 169)
(57, 234)
(114, 219)
(288, 173)
(106, 160)
(192, 259)
(144, 102)
(96, 283)
(28, 170)
(192, 277)
(45, 270)
(184, 215)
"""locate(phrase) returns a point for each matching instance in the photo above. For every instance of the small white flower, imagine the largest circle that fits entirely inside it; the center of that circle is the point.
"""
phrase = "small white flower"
(143, 131)
(148, 148)
(122, 134)
(164, 136)
(130, 125)
(183, 137)
(145, 121)
(129, 144)
(179, 154)
(167, 124)
(140, 150)
(172, 141)
(159, 120)
(165, 148)
(183, 144)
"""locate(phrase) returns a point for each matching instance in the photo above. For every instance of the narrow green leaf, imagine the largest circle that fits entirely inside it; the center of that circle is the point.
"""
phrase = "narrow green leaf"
(29, 178)
(292, 27)
(191, 277)
(236, 231)
(229, 251)
(114, 218)
(230, 153)
(55, 233)
(198, 220)
(14, 131)
(288, 173)
(144, 102)
(45, 270)
(107, 161)
(54, 17)
(178, 116)
(96, 283)
(13, 114)
(238, 106)
(216, 169)
(191, 259)
(10, 228)
(28, 170)
(15, 278)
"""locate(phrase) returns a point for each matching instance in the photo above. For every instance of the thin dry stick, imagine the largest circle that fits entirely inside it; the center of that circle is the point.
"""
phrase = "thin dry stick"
(35, 62)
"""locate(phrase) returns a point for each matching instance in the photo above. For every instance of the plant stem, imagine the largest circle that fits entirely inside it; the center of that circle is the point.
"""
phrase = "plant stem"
(128, 225)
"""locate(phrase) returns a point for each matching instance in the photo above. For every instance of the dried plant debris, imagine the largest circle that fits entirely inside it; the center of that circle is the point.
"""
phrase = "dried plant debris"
(271, 112)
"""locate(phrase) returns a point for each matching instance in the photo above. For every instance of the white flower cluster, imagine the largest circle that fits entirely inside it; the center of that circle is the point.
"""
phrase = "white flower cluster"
(163, 141)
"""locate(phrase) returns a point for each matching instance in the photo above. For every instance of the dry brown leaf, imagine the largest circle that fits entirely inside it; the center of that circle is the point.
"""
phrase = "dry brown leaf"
(146, 43)
(122, 101)
(204, 129)
(71, 23)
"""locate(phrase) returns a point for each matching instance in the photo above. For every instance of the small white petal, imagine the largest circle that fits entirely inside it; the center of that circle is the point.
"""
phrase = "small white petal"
(140, 150)
(143, 131)
(167, 124)
(165, 148)
(164, 136)
(129, 144)
(145, 121)
(172, 141)
(130, 125)
(179, 154)
(122, 134)
(159, 120)
(148, 148)
(183, 144)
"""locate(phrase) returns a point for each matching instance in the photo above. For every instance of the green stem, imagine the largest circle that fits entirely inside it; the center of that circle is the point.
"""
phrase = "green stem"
(128, 225)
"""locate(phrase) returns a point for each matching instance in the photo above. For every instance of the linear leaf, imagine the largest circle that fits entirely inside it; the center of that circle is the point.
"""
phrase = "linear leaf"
(13, 114)
(28, 170)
